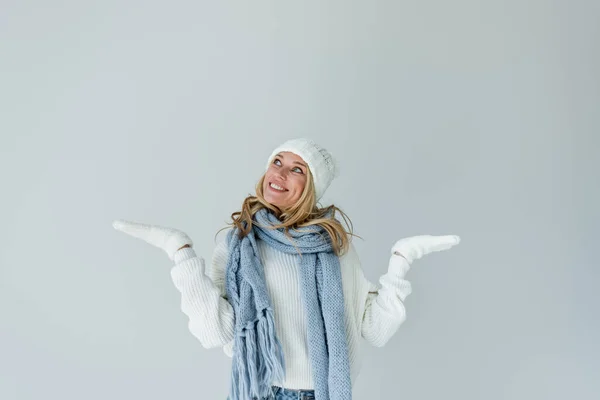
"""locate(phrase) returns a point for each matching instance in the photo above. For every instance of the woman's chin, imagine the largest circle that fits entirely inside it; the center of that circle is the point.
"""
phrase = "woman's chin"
(275, 203)
(272, 201)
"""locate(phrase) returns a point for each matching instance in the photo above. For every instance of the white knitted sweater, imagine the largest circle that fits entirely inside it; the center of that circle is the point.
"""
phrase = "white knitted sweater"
(373, 312)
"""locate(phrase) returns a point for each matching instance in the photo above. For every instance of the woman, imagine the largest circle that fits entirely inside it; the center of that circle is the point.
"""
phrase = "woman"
(285, 295)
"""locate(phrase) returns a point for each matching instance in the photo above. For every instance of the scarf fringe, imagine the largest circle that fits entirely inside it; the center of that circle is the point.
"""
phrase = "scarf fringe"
(254, 375)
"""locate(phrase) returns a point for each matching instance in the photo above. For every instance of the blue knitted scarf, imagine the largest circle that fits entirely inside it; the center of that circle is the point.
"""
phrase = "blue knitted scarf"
(257, 353)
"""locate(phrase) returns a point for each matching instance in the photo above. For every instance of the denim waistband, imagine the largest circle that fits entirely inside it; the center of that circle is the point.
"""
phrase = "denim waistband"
(299, 394)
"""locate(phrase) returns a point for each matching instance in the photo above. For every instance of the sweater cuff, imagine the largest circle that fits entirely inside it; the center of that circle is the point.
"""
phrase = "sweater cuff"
(184, 254)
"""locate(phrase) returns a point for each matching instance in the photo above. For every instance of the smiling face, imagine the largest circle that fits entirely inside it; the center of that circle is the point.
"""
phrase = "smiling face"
(285, 180)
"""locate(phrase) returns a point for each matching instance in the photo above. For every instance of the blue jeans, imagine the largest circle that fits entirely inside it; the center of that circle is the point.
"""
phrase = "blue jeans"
(289, 394)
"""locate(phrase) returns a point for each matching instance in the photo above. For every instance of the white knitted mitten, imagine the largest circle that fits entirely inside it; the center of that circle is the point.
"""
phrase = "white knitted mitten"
(415, 247)
(167, 239)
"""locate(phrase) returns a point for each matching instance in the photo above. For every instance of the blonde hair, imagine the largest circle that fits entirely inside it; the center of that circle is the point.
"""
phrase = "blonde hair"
(305, 212)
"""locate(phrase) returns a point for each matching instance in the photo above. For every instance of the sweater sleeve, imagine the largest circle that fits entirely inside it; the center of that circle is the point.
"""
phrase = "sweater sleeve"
(384, 310)
(203, 298)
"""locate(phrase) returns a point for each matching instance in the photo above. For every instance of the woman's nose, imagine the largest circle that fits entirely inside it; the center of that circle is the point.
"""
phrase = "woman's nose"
(283, 173)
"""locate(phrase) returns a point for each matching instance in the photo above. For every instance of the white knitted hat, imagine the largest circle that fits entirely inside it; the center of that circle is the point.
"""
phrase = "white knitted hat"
(321, 163)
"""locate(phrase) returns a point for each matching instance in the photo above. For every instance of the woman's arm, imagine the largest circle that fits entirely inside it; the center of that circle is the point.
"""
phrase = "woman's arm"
(211, 317)
(384, 306)
(203, 299)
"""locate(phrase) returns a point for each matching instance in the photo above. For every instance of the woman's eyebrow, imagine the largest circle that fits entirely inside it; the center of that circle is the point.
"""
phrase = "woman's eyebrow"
(295, 162)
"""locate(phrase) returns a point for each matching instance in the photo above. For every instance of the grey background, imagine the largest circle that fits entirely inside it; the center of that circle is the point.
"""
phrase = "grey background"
(464, 117)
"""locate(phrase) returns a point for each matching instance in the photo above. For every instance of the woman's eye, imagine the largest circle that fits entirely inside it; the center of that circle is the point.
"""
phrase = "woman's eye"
(277, 161)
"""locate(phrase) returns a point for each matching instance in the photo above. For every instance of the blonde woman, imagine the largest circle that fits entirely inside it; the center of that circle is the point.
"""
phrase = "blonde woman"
(285, 294)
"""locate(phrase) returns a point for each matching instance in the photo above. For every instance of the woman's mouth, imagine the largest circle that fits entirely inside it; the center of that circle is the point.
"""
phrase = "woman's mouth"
(277, 187)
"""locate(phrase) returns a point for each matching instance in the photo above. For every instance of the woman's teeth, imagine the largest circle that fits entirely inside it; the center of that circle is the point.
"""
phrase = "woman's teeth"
(274, 186)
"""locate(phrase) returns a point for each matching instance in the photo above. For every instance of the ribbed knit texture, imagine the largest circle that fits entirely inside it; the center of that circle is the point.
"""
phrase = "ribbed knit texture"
(373, 312)
(258, 356)
(322, 299)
